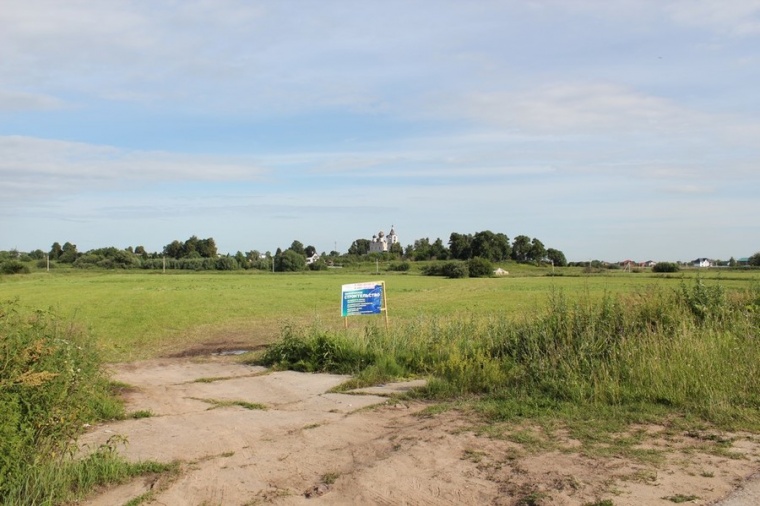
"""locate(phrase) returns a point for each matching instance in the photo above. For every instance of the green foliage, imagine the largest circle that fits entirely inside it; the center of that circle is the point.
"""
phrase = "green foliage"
(666, 267)
(319, 265)
(455, 269)
(479, 267)
(703, 301)
(399, 267)
(226, 263)
(291, 261)
(193, 247)
(556, 257)
(359, 247)
(50, 386)
(692, 351)
(107, 258)
(460, 246)
(13, 267)
(68, 254)
(755, 259)
(315, 351)
(68, 480)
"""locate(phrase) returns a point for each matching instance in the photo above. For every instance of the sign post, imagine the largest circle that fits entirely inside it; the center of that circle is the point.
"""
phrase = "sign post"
(364, 299)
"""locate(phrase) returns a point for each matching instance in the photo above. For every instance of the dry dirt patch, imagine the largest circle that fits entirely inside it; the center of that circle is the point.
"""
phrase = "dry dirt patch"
(247, 436)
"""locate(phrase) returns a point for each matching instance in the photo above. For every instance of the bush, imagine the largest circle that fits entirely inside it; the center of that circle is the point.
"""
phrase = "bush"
(399, 267)
(452, 270)
(319, 265)
(480, 267)
(226, 264)
(666, 267)
(13, 267)
(316, 351)
(50, 386)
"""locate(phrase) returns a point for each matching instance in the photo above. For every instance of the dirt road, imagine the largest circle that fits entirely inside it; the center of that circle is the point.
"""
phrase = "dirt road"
(247, 436)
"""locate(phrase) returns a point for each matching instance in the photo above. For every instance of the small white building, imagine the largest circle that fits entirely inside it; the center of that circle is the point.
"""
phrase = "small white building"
(702, 262)
(381, 243)
(310, 260)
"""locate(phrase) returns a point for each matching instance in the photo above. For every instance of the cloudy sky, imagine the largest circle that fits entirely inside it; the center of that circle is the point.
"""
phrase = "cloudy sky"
(608, 129)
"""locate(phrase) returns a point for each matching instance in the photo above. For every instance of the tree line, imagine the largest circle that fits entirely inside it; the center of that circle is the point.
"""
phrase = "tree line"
(202, 254)
(494, 247)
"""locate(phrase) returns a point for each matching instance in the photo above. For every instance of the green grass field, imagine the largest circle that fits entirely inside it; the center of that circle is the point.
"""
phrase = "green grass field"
(593, 353)
(138, 314)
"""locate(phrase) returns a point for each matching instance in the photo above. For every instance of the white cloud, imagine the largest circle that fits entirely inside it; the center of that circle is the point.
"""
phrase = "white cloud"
(41, 166)
(14, 101)
(578, 108)
(732, 17)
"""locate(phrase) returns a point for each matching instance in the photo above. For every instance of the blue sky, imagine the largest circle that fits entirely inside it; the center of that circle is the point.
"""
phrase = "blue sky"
(607, 129)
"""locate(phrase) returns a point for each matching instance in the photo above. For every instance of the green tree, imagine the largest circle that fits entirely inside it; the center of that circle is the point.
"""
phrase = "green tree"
(190, 247)
(438, 250)
(493, 247)
(292, 261)
(278, 260)
(460, 246)
(359, 247)
(537, 251)
(173, 249)
(422, 249)
(55, 251)
(297, 246)
(557, 257)
(242, 260)
(206, 248)
(755, 259)
(310, 251)
(521, 248)
(68, 253)
(396, 250)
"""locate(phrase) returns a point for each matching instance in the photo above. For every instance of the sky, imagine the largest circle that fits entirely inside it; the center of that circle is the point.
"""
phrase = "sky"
(608, 129)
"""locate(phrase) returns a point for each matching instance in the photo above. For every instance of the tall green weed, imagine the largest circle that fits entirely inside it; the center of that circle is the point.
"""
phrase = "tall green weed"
(50, 386)
(695, 349)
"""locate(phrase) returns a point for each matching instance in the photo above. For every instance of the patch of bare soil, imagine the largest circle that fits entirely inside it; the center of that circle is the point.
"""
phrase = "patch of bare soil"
(246, 436)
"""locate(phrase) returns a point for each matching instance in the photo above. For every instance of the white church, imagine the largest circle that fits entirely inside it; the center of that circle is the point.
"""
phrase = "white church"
(381, 243)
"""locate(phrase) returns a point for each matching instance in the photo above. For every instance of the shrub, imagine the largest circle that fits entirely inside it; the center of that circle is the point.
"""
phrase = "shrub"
(480, 267)
(666, 267)
(315, 351)
(50, 386)
(455, 270)
(399, 267)
(319, 265)
(13, 267)
(226, 264)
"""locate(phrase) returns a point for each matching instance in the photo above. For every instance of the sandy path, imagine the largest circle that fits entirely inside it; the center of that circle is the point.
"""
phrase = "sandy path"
(310, 446)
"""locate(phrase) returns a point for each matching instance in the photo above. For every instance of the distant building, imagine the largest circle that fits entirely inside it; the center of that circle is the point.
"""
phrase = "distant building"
(310, 260)
(381, 243)
(702, 262)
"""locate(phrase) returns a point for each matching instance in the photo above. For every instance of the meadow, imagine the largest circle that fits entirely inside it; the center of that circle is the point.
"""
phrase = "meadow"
(593, 352)
(136, 314)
